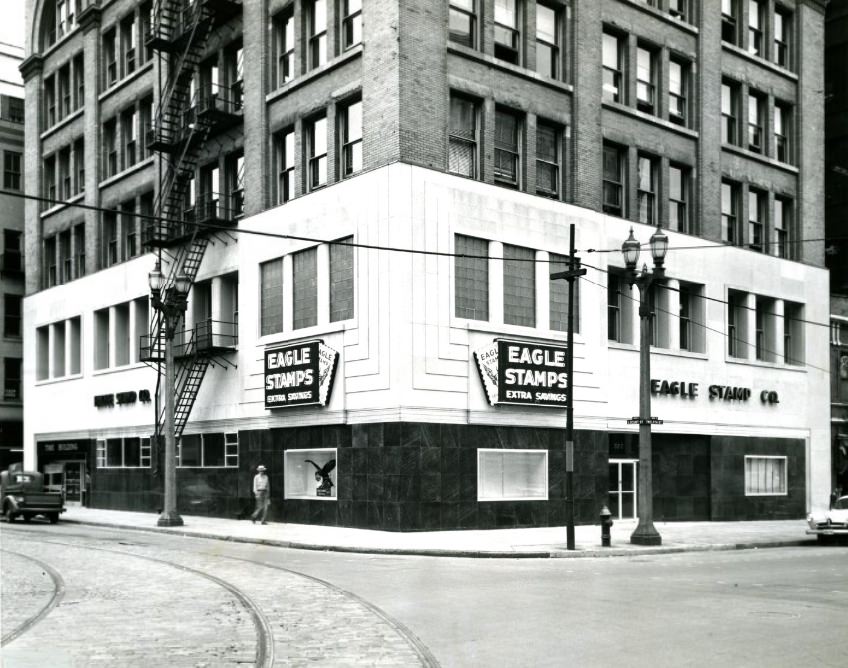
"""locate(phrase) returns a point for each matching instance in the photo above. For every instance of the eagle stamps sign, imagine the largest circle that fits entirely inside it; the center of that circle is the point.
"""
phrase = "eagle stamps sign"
(523, 373)
(299, 375)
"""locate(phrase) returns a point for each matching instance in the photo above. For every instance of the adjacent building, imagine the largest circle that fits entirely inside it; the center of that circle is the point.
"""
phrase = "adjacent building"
(12, 259)
(367, 200)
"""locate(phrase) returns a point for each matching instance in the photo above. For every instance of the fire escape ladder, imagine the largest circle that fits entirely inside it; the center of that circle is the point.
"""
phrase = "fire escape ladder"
(190, 370)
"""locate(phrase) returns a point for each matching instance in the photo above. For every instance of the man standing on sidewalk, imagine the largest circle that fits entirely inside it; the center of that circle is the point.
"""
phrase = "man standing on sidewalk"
(262, 492)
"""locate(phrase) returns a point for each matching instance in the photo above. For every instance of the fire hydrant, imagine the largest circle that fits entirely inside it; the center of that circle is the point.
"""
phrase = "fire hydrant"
(606, 526)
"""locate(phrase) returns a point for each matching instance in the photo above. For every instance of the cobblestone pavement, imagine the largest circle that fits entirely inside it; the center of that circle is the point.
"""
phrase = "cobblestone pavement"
(131, 603)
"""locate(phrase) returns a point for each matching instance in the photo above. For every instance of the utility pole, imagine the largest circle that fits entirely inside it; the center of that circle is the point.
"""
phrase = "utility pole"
(571, 275)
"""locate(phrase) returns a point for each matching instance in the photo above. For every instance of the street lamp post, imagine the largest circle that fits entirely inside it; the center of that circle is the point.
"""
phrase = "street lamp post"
(171, 303)
(645, 532)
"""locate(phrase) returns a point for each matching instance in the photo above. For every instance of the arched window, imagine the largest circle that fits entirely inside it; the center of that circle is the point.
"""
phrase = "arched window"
(58, 18)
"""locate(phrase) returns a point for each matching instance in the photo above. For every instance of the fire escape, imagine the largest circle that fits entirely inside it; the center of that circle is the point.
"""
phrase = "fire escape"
(192, 110)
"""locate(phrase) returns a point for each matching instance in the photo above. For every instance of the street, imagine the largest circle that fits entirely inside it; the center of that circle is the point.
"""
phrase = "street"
(87, 596)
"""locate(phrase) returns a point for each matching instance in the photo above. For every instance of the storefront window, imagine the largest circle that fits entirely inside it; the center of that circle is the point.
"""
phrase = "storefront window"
(512, 475)
(765, 476)
(216, 450)
(130, 452)
(310, 474)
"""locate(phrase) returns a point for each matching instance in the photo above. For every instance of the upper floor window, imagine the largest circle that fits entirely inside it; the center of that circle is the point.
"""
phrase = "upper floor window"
(271, 297)
(548, 160)
(677, 91)
(352, 23)
(110, 56)
(729, 112)
(730, 21)
(128, 44)
(317, 43)
(352, 138)
(729, 212)
(619, 309)
(793, 333)
(737, 324)
(12, 108)
(678, 198)
(508, 31)
(755, 28)
(645, 80)
(284, 46)
(79, 81)
(59, 17)
(548, 61)
(781, 133)
(462, 149)
(519, 285)
(12, 378)
(755, 123)
(678, 9)
(462, 22)
(507, 149)
(782, 221)
(341, 280)
(613, 180)
(691, 320)
(647, 189)
(612, 86)
(559, 297)
(471, 278)
(285, 165)
(12, 250)
(11, 170)
(781, 38)
(317, 136)
(305, 288)
(756, 219)
(12, 315)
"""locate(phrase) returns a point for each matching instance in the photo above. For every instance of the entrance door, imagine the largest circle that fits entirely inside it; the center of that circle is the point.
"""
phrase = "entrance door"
(622, 483)
(73, 482)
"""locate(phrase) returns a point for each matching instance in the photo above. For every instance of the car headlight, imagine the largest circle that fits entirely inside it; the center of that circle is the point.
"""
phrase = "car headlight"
(19, 499)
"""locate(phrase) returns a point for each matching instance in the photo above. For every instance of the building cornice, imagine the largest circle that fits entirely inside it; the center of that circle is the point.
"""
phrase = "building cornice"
(31, 66)
(819, 5)
(89, 17)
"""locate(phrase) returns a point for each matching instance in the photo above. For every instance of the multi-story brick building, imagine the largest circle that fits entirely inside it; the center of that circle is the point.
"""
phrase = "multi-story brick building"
(11, 261)
(367, 199)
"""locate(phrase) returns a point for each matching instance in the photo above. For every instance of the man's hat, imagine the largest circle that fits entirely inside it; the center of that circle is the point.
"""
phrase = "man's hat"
(260, 468)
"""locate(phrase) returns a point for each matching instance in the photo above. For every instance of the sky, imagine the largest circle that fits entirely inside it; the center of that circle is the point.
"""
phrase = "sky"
(12, 22)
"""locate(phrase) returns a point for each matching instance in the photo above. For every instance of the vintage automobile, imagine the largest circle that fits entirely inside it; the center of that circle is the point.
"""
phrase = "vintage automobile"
(831, 523)
(23, 494)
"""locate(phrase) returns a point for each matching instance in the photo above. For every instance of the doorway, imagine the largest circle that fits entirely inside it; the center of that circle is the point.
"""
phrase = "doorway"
(622, 488)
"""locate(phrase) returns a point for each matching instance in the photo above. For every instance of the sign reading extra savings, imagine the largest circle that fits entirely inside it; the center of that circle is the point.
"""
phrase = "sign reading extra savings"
(519, 372)
(300, 374)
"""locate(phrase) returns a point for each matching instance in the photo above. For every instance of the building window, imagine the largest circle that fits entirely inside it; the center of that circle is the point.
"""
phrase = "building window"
(612, 84)
(285, 165)
(765, 475)
(646, 192)
(729, 112)
(619, 309)
(691, 320)
(462, 22)
(508, 31)
(462, 149)
(110, 148)
(507, 148)
(50, 100)
(677, 89)
(305, 288)
(677, 9)
(50, 180)
(559, 296)
(111, 249)
(128, 44)
(12, 379)
(737, 330)
(128, 133)
(65, 91)
(519, 286)
(730, 21)
(756, 219)
(79, 250)
(284, 44)
(42, 352)
(548, 160)
(271, 297)
(782, 217)
(352, 23)
(729, 212)
(317, 132)
(755, 28)
(79, 81)
(65, 260)
(678, 197)
(755, 123)
(341, 280)
(548, 30)
(12, 251)
(310, 474)
(352, 138)
(764, 336)
(793, 333)
(79, 166)
(110, 55)
(317, 44)
(645, 80)
(129, 238)
(12, 315)
(471, 278)
(208, 451)
(50, 262)
(781, 136)
(781, 38)
(11, 170)
(512, 475)
(613, 180)
(129, 452)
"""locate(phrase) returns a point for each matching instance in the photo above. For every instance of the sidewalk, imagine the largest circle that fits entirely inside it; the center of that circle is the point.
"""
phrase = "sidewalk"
(505, 543)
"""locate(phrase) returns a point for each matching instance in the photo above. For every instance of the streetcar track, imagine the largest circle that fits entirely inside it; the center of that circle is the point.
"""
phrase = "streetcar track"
(425, 656)
(264, 645)
(55, 599)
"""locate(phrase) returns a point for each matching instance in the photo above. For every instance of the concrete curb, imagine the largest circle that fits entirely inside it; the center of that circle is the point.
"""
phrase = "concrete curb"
(553, 553)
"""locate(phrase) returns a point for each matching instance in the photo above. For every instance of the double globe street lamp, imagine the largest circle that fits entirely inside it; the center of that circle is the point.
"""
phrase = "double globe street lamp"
(171, 302)
(645, 532)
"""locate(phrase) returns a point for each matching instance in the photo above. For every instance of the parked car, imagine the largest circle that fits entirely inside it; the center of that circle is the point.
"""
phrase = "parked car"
(831, 523)
(24, 495)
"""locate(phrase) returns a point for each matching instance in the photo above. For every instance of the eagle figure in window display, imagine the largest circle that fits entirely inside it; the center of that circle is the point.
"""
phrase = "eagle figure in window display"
(322, 477)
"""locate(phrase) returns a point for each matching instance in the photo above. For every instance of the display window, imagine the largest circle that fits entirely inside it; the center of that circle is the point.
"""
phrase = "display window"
(310, 474)
(512, 475)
